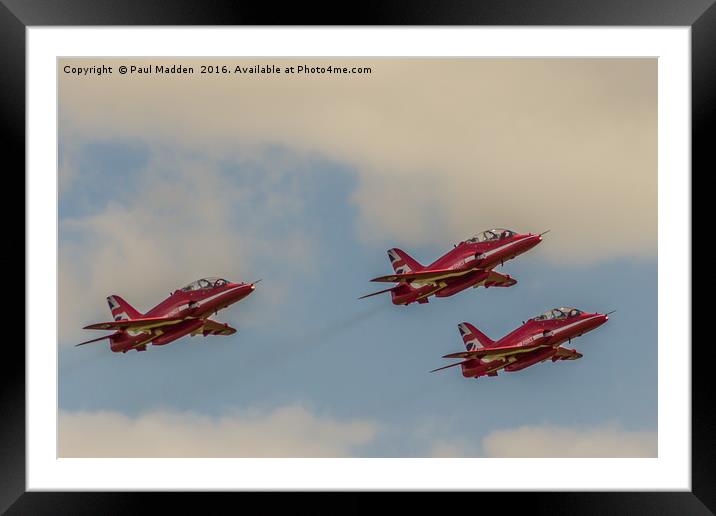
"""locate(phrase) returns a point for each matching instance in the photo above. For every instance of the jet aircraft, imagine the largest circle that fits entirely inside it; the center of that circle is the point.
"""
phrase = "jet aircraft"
(187, 310)
(537, 340)
(469, 264)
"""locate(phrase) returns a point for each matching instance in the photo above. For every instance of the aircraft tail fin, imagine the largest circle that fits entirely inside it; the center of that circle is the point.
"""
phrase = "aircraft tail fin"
(473, 338)
(402, 262)
(121, 310)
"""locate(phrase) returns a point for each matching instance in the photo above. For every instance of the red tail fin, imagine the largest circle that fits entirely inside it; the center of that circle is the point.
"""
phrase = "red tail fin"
(473, 338)
(402, 262)
(121, 310)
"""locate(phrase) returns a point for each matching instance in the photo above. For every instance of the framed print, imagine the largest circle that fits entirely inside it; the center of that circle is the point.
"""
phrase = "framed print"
(207, 207)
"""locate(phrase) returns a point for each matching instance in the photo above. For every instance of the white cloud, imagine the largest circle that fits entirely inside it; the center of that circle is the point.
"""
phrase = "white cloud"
(66, 171)
(290, 431)
(556, 441)
(551, 441)
(176, 221)
(456, 448)
(443, 148)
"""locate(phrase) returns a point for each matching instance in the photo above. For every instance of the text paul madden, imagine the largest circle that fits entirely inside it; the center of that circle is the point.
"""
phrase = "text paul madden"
(177, 69)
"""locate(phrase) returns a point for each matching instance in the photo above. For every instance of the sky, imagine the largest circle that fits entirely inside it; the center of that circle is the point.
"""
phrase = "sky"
(305, 181)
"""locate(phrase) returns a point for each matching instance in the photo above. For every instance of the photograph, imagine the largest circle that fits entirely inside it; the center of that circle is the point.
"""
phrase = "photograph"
(357, 257)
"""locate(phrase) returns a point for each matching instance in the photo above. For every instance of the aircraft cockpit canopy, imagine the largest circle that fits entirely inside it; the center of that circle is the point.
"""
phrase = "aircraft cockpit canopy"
(205, 283)
(571, 312)
(490, 235)
(558, 313)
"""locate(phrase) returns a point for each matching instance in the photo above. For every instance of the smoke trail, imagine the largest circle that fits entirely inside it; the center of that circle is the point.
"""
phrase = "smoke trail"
(89, 356)
(330, 330)
(310, 340)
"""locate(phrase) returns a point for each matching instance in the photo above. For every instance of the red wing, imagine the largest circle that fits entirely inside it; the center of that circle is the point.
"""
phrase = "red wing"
(140, 323)
(484, 352)
(214, 328)
(427, 275)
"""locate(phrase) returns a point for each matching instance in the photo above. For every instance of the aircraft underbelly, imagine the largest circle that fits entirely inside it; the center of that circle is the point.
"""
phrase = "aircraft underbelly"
(435, 280)
(482, 368)
(510, 353)
(178, 331)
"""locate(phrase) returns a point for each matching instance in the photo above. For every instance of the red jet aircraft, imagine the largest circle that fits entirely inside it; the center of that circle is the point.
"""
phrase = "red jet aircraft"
(469, 264)
(535, 341)
(184, 312)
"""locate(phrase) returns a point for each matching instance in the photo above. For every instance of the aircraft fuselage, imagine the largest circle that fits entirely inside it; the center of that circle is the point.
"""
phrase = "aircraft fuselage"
(195, 306)
(550, 334)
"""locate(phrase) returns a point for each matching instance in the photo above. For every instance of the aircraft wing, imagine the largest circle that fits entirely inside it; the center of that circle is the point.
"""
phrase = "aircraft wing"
(495, 279)
(135, 324)
(427, 275)
(93, 340)
(214, 328)
(379, 292)
(486, 352)
(451, 365)
(566, 354)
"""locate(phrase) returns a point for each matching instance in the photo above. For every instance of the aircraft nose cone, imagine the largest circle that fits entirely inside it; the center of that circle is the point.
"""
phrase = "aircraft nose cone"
(533, 240)
(600, 319)
(241, 291)
(240, 288)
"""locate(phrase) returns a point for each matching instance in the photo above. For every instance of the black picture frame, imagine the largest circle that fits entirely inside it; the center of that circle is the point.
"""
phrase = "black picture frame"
(17, 15)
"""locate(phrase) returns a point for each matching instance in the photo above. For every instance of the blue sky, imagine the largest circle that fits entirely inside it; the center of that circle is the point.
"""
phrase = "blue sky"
(368, 359)
(141, 216)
